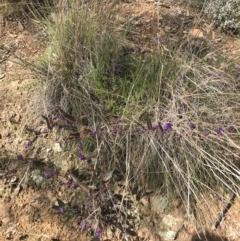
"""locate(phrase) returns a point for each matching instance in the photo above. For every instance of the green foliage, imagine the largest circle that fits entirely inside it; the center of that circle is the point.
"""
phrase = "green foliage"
(37, 9)
(225, 13)
(89, 69)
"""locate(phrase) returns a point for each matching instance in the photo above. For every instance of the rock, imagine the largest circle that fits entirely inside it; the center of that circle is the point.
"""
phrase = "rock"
(159, 204)
(2, 76)
(5, 133)
(144, 202)
(172, 235)
(145, 233)
(196, 33)
(170, 226)
(162, 32)
(4, 216)
(36, 177)
(167, 29)
(173, 222)
(57, 147)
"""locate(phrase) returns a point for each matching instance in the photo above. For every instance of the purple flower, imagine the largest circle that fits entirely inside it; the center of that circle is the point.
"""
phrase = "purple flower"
(83, 224)
(80, 145)
(216, 74)
(89, 206)
(192, 126)
(95, 133)
(98, 232)
(31, 130)
(167, 126)
(119, 120)
(219, 130)
(61, 210)
(45, 130)
(81, 156)
(51, 174)
(61, 117)
(231, 129)
(117, 68)
(88, 227)
(27, 144)
(144, 128)
(128, 50)
(41, 122)
(20, 157)
(183, 76)
(155, 127)
(54, 172)
(47, 175)
(69, 182)
(206, 133)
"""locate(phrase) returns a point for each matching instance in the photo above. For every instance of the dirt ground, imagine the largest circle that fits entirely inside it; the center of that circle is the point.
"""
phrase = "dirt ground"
(26, 212)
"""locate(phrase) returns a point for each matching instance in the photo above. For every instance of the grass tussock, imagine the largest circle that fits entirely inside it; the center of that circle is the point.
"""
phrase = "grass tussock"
(37, 9)
(161, 120)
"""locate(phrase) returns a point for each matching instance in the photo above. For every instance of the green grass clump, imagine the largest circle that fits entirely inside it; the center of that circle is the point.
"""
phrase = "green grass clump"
(36, 9)
(162, 120)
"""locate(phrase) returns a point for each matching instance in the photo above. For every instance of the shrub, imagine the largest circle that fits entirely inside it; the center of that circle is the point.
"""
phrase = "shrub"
(225, 13)
(160, 119)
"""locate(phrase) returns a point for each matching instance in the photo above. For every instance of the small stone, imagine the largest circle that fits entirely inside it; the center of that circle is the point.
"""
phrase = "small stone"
(171, 235)
(5, 133)
(20, 27)
(144, 201)
(57, 147)
(6, 220)
(196, 33)
(167, 28)
(162, 32)
(4, 216)
(173, 222)
(2, 76)
(159, 204)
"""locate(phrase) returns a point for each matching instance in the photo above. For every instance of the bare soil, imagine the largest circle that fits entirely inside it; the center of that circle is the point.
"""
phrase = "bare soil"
(26, 211)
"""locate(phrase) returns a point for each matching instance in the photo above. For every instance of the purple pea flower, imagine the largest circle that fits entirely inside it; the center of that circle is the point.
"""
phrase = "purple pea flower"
(83, 224)
(51, 174)
(80, 145)
(144, 128)
(47, 175)
(61, 117)
(167, 126)
(88, 227)
(27, 144)
(155, 127)
(183, 76)
(98, 232)
(216, 74)
(192, 126)
(219, 130)
(81, 156)
(45, 130)
(61, 209)
(206, 133)
(117, 68)
(231, 129)
(95, 133)
(119, 120)
(54, 172)
(69, 182)
(20, 157)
